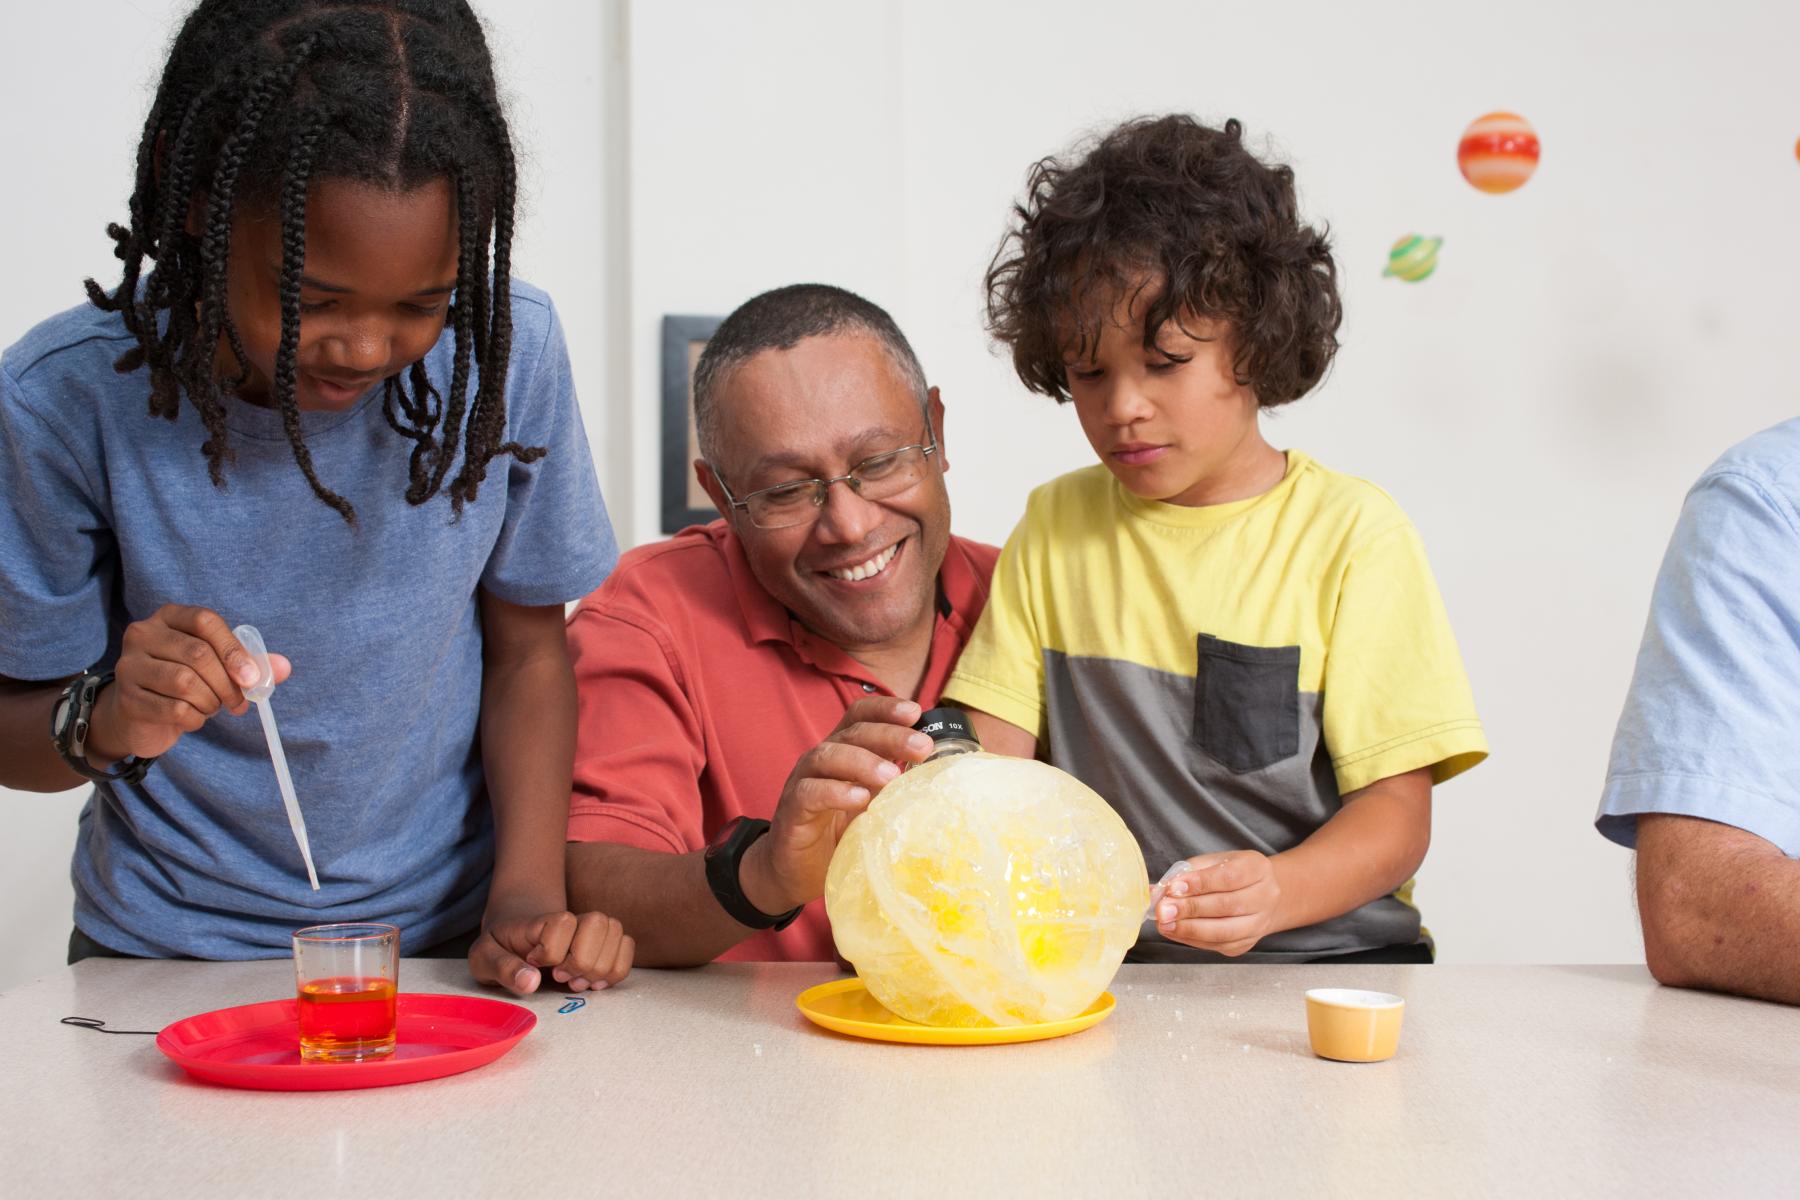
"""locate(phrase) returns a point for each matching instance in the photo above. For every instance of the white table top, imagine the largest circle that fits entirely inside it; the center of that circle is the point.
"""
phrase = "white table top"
(1510, 1080)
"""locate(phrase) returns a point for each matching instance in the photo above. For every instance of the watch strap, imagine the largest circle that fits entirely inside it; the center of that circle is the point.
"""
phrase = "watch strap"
(72, 720)
(724, 862)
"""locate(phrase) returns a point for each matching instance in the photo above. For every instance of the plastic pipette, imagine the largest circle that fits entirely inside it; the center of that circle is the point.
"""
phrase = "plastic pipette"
(1161, 886)
(259, 694)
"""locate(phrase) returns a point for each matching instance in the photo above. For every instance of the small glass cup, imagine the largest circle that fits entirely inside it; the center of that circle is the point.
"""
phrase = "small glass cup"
(348, 977)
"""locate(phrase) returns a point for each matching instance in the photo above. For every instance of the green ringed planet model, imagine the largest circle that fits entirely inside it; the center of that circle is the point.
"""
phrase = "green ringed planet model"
(1413, 258)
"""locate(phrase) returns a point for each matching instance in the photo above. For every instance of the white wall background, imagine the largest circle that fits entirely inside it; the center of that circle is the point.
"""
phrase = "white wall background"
(1539, 406)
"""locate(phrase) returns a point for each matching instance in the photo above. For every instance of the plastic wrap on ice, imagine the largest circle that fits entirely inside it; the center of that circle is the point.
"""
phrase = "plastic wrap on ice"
(981, 890)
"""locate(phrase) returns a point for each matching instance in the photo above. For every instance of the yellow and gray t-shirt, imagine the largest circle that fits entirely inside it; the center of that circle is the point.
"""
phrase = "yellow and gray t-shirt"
(1223, 674)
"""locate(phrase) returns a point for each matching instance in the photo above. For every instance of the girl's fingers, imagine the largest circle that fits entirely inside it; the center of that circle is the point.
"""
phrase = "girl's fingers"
(199, 659)
(591, 951)
(236, 666)
(177, 682)
(139, 707)
(490, 962)
(622, 960)
(554, 935)
(614, 963)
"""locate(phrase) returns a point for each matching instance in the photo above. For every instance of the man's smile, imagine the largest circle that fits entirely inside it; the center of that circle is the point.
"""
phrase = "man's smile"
(868, 568)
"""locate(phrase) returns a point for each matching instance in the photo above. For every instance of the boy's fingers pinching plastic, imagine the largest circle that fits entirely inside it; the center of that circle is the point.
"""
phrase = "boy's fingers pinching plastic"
(1161, 886)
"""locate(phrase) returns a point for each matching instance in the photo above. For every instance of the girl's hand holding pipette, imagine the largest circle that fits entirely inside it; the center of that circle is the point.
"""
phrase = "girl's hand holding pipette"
(176, 670)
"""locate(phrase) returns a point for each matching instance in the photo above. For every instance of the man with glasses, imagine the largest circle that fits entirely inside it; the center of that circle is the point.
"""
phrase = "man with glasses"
(746, 687)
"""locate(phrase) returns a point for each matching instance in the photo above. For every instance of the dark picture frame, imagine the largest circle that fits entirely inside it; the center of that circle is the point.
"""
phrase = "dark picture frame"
(684, 501)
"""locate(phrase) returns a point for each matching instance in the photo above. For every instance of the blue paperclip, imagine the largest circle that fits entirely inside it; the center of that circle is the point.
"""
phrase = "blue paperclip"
(572, 1005)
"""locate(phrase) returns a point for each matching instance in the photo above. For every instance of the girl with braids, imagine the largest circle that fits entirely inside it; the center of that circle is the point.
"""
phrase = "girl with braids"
(362, 438)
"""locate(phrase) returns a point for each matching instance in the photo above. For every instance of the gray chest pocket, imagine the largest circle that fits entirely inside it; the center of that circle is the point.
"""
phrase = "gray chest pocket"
(1247, 704)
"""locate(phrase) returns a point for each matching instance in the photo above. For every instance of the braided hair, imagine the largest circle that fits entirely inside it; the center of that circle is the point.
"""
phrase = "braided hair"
(262, 97)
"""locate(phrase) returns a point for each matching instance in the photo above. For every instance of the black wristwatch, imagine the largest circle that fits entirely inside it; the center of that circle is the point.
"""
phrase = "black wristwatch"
(724, 855)
(70, 722)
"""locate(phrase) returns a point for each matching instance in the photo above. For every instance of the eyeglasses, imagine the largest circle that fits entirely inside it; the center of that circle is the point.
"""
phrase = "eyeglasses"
(798, 503)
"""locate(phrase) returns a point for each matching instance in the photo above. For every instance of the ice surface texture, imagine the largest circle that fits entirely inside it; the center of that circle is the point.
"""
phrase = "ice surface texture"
(979, 890)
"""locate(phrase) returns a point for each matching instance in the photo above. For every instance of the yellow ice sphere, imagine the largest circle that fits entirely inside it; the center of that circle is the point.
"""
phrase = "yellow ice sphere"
(979, 890)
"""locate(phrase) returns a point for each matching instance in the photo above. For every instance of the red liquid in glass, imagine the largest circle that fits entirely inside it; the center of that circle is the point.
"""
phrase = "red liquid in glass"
(345, 1018)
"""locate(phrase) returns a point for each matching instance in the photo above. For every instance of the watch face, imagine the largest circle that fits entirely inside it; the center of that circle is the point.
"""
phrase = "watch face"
(722, 838)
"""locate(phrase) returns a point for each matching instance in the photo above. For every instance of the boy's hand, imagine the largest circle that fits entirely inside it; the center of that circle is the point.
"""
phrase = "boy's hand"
(176, 670)
(832, 782)
(589, 951)
(1226, 903)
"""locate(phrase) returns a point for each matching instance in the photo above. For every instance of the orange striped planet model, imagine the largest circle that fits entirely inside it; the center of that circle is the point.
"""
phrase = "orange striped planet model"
(1498, 152)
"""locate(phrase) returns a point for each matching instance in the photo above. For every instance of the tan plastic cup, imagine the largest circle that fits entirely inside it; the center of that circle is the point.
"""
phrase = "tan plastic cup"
(1351, 1025)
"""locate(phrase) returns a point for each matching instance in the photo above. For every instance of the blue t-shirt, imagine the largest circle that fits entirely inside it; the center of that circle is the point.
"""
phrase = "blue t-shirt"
(1711, 726)
(110, 514)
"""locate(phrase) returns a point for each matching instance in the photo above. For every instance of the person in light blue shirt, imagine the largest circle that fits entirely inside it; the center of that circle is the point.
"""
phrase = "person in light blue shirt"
(315, 402)
(1704, 779)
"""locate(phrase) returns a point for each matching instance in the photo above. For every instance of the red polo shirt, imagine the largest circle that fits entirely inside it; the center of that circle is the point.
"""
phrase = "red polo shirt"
(681, 659)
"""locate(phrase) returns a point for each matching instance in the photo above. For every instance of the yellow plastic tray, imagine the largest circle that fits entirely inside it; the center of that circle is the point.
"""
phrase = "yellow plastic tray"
(845, 1006)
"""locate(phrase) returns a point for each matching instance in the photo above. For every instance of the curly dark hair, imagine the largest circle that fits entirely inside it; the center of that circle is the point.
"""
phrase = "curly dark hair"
(1187, 215)
(261, 97)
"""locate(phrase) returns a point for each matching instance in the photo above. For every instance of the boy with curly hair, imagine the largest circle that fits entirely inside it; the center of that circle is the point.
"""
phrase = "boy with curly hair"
(1243, 651)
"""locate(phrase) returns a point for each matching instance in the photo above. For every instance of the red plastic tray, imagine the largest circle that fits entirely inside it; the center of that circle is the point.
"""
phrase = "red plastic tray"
(258, 1045)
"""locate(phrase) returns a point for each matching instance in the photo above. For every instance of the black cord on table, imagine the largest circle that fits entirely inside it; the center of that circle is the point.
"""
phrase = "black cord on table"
(100, 1026)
